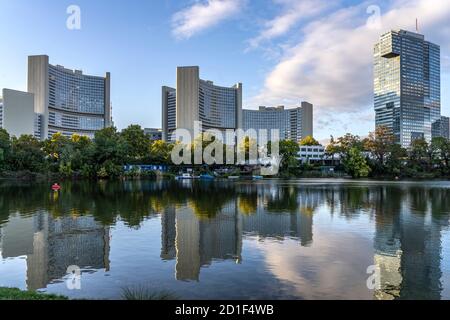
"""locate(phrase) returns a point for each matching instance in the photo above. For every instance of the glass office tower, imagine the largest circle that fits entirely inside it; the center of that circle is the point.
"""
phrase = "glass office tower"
(407, 88)
(68, 101)
(194, 99)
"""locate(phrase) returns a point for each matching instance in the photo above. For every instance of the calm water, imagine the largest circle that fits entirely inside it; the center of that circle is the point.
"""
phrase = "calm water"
(307, 239)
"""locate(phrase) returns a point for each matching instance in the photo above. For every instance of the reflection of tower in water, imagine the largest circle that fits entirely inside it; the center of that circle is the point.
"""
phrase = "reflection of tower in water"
(408, 246)
(51, 245)
(196, 242)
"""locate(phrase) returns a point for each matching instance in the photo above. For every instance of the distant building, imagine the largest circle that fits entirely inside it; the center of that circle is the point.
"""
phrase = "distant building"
(17, 113)
(312, 154)
(317, 155)
(195, 99)
(68, 101)
(294, 124)
(445, 127)
(153, 134)
(407, 86)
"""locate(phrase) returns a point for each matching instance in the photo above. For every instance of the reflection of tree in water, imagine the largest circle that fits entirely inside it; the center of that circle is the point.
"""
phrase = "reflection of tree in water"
(282, 199)
(248, 204)
(348, 201)
(132, 201)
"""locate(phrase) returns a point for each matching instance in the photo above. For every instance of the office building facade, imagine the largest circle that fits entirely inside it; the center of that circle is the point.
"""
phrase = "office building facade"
(68, 101)
(445, 127)
(293, 124)
(195, 99)
(407, 91)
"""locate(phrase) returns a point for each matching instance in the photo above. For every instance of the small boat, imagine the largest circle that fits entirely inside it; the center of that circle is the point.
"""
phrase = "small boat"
(185, 176)
(207, 177)
(258, 177)
(234, 177)
(56, 187)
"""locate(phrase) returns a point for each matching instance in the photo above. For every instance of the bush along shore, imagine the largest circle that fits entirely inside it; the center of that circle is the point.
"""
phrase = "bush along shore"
(105, 157)
(17, 294)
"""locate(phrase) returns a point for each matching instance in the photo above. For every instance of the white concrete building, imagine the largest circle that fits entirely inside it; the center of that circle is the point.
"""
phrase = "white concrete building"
(195, 99)
(17, 113)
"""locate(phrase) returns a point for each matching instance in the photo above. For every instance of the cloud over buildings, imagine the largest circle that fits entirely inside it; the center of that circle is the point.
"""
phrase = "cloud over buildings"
(203, 15)
(331, 65)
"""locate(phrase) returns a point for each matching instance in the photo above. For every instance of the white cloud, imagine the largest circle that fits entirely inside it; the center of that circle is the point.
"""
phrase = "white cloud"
(293, 12)
(332, 66)
(203, 15)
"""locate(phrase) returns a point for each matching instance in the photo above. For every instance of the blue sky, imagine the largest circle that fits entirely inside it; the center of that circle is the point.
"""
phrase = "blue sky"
(283, 51)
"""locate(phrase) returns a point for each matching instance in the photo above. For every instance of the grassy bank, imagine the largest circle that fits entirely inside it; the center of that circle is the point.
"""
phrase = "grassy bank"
(16, 294)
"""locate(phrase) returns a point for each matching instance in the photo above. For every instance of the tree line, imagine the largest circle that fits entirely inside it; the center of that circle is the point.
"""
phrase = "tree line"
(101, 157)
(379, 156)
(105, 155)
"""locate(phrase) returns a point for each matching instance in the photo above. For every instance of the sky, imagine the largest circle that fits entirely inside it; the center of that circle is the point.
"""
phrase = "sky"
(283, 51)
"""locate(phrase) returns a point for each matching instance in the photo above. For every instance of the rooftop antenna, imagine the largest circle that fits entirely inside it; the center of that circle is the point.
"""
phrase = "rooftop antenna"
(417, 25)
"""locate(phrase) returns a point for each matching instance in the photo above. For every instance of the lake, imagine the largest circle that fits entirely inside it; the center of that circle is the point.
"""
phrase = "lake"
(269, 239)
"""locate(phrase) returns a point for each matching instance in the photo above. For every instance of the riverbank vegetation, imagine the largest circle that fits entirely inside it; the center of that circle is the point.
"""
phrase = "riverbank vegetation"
(104, 157)
(17, 294)
(147, 294)
(379, 156)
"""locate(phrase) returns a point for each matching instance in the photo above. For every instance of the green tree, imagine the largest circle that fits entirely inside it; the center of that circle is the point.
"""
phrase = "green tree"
(309, 141)
(54, 148)
(160, 152)
(379, 143)
(110, 152)
(396, 159)
(137, 143)
(78, 155)
(27, 154)
(419, 154)
(348, 142)
(289, 156)
(441, 153)
(355, 164)
(332, 149)
(5, 148)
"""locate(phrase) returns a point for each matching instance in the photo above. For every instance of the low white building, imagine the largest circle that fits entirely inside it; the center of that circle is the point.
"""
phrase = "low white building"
(17, 114)
(309, 154)
(317, 154)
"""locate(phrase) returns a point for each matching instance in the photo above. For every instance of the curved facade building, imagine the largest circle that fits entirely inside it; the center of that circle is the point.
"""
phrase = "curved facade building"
(293, 124)
(68, 101)
(195, 99)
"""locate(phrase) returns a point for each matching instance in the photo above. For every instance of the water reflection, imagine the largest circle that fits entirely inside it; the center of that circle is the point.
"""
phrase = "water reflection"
(203, 224)
(52, 245)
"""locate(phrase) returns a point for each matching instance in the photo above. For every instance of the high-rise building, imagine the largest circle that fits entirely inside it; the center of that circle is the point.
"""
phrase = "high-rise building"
(407, 88)
(293, 124)
(445, 127)
(17, 113)
(68, 101)
(195, 99)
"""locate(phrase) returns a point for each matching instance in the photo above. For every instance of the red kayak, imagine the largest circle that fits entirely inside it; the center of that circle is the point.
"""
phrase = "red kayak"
(56, 187)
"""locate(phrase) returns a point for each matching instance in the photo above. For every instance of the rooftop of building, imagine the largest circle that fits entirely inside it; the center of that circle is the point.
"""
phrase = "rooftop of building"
(410, 33)
(277, 108)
